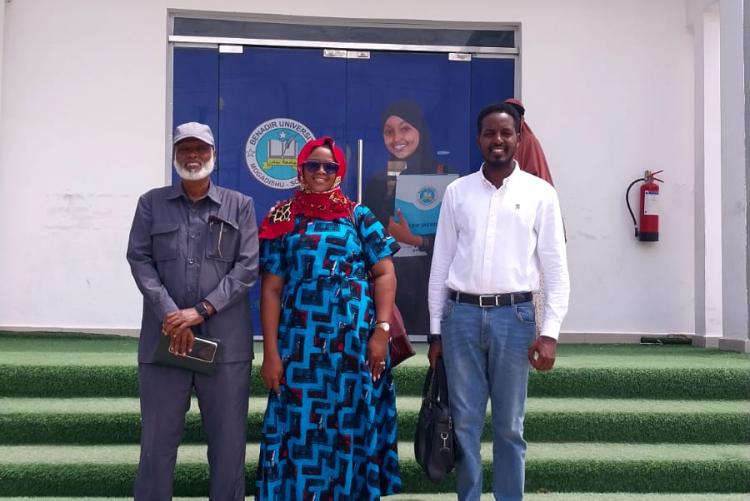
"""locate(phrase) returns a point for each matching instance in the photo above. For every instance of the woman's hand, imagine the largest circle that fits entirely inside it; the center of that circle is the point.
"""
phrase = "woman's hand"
(377, 350)
(272, 371)
(384, 294)
(401, 232)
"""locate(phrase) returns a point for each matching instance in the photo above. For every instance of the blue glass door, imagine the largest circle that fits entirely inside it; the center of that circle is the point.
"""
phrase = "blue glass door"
(265, 103)
(411, 113)
(492, 80)
(195, 91)
(272, 101)
(437, 87)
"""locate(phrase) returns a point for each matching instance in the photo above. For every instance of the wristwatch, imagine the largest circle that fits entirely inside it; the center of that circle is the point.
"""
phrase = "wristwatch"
(202, 310)
(383, 325)
(431, 338)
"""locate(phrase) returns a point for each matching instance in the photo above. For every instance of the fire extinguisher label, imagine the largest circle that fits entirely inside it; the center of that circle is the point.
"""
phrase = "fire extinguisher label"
(651, 203)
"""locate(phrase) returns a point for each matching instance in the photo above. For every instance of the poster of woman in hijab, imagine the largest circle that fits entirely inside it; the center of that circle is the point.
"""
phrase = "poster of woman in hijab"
(411, 157)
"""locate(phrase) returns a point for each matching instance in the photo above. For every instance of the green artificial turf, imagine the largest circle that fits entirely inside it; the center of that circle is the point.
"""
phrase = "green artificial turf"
(42, 348)
(558, 467)
(556, 451)
(113, 420)
(670, 383)
(68, 365)
(112, 350)
(57, 381)
(647, 356)
(605, 439)
(404, 402)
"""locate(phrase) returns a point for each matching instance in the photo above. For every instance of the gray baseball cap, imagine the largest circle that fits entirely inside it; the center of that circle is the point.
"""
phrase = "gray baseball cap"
(193, 129)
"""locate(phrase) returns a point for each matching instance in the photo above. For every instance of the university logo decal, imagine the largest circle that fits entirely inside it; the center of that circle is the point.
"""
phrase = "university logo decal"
(271, 151)
(426, 196)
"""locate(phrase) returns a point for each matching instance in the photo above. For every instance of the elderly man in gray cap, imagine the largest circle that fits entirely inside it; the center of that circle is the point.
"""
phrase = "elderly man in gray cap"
(193, 251)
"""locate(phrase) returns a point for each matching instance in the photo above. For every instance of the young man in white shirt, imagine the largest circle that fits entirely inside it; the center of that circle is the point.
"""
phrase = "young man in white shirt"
(499, 229)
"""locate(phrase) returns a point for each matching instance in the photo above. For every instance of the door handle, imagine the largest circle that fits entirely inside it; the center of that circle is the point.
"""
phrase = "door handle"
(360, 168)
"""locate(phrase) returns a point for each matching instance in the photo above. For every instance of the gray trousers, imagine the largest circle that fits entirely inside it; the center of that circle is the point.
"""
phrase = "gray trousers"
(165, 398)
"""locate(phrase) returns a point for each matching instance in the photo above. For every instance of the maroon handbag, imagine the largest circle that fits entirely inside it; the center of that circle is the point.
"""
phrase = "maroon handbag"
(401, 347)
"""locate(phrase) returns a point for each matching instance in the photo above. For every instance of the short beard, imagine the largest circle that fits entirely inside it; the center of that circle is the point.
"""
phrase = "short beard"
(498, 165)
(206, 169)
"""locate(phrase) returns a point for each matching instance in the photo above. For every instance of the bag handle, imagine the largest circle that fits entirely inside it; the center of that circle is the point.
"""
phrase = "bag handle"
(440, 383)
(435, 383)
(427, 385)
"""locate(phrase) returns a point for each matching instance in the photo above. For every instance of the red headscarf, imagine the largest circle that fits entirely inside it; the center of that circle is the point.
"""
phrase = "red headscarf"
(328, 205)
(529, 153)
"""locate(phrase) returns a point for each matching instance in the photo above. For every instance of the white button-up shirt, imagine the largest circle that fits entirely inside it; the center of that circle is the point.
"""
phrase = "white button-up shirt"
(495, 240)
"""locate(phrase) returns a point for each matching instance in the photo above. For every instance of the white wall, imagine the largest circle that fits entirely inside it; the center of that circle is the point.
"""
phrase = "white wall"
(721, 224)
(2, 37)
(611, 84)
(712, 174)
(608, 87)
(734, 180)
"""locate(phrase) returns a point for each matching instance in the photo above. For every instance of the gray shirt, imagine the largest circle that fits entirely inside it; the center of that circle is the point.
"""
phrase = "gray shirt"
(181, 252)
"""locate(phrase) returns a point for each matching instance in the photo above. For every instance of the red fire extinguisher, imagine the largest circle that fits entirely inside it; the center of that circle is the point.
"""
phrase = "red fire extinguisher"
(647, 228)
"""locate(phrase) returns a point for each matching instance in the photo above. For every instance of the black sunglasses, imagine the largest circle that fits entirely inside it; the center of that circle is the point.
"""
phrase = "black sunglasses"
(312, 166)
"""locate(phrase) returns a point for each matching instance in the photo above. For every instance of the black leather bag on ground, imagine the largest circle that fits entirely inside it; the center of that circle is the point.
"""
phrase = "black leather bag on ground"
(435, 446)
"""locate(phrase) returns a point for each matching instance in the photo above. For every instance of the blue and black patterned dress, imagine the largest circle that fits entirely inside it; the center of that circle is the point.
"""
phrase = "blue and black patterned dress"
(331, 433)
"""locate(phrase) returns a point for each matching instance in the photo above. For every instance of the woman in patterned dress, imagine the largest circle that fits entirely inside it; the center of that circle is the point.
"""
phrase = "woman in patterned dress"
(329, 432)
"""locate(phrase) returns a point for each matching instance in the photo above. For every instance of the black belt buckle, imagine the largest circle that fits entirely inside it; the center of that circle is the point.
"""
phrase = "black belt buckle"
(492, 300)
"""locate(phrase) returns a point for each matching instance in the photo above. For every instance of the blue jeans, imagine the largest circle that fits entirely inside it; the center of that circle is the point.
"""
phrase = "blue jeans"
(486, 355)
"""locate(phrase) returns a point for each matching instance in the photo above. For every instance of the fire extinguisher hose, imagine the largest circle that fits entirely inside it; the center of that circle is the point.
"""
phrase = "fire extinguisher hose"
(627, 201)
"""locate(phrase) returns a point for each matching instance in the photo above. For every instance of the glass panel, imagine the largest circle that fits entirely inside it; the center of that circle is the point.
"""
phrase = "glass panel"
(195, 89)
(492, 80)
(272, 100)
(362, 34)
(411, 111)
(264, 103)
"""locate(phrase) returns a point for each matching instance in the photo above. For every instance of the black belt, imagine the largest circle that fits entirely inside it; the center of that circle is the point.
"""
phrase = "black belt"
(490, 300)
